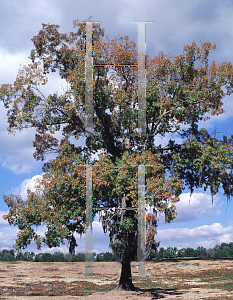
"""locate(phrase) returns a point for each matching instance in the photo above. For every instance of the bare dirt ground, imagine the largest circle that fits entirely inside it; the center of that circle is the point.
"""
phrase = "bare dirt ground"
(56, 280)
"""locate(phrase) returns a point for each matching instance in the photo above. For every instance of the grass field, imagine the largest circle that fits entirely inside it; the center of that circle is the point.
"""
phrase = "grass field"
(167, 280)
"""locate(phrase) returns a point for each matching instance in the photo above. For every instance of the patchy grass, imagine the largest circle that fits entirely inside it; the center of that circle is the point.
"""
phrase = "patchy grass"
(220, 278)
(55, 288)
(219, 298)
(168, 281)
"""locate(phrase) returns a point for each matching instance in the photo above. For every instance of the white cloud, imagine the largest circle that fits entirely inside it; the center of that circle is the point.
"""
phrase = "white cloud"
(45, 9)
(17, 168)
(100, 241)
(10, 64)
(2, 221)
(206, 235)
(16, 151)
(26, 184)
(215, 120)
(7, 237)
(190, 207)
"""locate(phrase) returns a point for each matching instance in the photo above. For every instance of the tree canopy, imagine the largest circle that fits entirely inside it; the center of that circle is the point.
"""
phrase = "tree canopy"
(58, 203)
(180, 91)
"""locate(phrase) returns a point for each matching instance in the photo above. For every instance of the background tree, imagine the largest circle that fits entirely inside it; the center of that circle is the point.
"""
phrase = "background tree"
(7, 255)
(108, 256)
(161, 253)
(190, 252)
(181, 252)
(181, 90)
(58, 256)
(201, 252)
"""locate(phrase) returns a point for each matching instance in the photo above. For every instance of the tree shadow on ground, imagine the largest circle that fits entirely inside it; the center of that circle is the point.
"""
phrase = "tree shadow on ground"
(159, 293)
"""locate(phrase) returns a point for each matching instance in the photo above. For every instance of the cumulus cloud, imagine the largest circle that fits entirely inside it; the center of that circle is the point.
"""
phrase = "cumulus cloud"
(16, 151)
(100, 240)
(26, 184)
(10, 64)
(215, 121)
(2, 221)
(206, 235)
(7, 237)
(190, 207)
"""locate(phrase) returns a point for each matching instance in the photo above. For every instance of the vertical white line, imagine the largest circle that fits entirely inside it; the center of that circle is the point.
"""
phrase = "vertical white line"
(141, 222)
(142, 131)
(89, 80)
(141, 80)
(88, 225)
(142, 76)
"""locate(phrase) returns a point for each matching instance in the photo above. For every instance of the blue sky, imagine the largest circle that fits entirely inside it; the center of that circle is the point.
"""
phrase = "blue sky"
(176, 23)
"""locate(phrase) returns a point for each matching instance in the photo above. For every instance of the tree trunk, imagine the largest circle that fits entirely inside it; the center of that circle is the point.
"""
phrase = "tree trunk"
(73, 244)
(126, 282)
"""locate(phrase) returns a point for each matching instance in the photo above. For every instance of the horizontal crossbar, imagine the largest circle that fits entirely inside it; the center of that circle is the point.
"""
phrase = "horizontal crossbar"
(114, 65)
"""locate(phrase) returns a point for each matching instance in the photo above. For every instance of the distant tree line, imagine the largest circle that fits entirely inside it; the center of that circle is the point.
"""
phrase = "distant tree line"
(218, 251)
(8, 255)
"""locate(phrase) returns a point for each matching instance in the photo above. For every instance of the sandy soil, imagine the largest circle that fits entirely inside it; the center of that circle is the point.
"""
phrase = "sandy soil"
(21, 280)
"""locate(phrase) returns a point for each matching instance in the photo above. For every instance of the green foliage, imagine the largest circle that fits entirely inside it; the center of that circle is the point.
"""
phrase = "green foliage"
(153, 250)
(58, 256)
(44, 257)
(181, 91)
(107, 256)
(161, 253)
(26, 256)
(202, 252)
(58, 202)
(189, 252)
(80, 257)
(219, 251)
(171, 252)
(181, 252)
(7, 255)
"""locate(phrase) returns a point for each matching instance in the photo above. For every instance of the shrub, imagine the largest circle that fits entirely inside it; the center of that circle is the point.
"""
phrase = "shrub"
(38, 257)
(7, 255)
(27, 256)
(68, 257)
(44, 257)
(58, 256)
(79, 257)
(107, 256)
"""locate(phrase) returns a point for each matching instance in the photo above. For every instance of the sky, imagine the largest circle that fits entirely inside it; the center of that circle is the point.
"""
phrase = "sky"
(176, 23)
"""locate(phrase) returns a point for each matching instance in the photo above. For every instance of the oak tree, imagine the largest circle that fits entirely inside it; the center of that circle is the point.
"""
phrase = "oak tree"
(180, 91)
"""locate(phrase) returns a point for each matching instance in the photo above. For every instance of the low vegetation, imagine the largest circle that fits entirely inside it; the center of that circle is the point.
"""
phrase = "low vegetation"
(8, 255)
(218, 251)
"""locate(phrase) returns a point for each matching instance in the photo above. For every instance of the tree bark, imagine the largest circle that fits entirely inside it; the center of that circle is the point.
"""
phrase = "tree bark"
(126, 282)
(73, 244)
